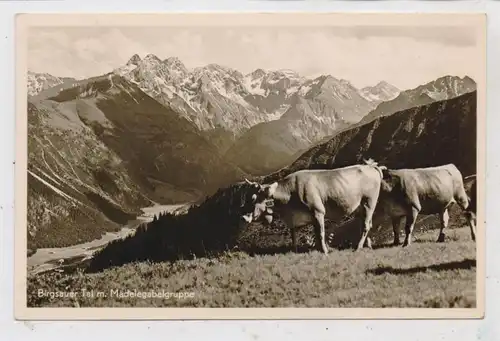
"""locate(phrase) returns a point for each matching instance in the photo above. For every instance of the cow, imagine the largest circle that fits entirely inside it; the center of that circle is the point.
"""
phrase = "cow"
(405, 193)
(310, 196)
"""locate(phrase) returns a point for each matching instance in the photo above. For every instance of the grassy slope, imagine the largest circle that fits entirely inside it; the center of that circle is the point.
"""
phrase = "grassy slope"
(427, 274)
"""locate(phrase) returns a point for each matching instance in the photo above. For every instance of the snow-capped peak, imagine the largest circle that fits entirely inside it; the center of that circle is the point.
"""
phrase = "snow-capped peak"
(134, 60)
(381, 92)
(259, 73)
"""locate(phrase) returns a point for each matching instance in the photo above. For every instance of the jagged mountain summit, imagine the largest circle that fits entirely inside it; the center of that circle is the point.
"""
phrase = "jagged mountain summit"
(211, 97)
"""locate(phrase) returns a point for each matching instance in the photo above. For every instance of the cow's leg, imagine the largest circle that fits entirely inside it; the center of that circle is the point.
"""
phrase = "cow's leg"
(367, 225)
(368, 242)
(411, 218)
(396, 227)
(319, 226)
(444, 218)
(293, 231)
(471, 219)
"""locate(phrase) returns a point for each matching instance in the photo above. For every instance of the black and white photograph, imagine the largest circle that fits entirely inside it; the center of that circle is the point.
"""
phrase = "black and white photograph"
(250, 161)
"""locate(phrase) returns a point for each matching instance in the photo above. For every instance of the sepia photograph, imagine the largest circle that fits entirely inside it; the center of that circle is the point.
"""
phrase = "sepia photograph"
(279, 161)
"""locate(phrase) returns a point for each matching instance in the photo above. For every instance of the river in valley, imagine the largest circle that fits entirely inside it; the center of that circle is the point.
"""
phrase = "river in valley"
(52, 258)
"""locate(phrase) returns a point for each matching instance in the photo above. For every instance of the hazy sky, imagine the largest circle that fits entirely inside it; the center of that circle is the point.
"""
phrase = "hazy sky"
(403, 56)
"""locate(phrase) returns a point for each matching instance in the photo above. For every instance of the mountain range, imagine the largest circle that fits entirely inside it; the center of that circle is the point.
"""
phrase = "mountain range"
(273, 145)
(225, 103)
(102, 148)
(261, 121)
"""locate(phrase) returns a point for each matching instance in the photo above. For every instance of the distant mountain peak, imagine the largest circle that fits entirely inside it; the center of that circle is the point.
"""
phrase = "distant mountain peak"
(381, 92)
(258, 73)
(152, 57)
(175, 64)
(134, 60)
(469, 79)
(384, 84)
(172, 59)
(288, 72)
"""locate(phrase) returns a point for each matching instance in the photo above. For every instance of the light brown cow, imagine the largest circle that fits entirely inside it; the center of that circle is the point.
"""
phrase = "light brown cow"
(409, 192)
(308, 196)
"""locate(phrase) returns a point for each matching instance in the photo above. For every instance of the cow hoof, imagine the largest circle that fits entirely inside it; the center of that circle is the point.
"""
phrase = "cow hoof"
(406, 244)
(441, 238)
(396, 243)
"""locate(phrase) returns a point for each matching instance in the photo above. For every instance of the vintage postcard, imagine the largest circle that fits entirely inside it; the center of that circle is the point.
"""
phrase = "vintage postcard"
(250, 166)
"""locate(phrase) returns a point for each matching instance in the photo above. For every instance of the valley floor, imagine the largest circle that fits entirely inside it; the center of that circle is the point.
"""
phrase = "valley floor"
(45, 259)
(427, 274)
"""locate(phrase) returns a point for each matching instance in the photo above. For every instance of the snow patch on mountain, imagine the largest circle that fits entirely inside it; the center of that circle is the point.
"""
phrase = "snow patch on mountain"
(381, 92)
(37, 82)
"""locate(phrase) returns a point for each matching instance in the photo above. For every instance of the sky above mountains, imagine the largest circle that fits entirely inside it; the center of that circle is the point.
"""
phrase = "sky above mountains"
(403, 56)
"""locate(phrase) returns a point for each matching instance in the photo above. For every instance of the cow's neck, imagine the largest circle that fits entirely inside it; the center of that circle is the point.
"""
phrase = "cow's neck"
(282, 195)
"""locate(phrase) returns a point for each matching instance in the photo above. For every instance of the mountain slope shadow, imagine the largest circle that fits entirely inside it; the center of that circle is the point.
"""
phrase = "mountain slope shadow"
(465, 264)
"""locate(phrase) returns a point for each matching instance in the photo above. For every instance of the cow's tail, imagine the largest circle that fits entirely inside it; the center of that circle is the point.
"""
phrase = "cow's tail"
(462, 199)
(374, 164)
(381, 170)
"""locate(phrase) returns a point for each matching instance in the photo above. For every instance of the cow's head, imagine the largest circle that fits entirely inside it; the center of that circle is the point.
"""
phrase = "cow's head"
(261, 202)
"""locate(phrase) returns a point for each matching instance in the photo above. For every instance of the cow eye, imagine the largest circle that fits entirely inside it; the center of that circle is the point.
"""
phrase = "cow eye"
(269, 203)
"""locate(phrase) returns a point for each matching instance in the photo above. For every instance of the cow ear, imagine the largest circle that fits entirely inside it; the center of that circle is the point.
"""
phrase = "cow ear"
(272, 189)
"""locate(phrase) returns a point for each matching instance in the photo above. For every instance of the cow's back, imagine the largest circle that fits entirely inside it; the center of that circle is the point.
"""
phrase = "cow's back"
(430, 188)
(344, 187)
